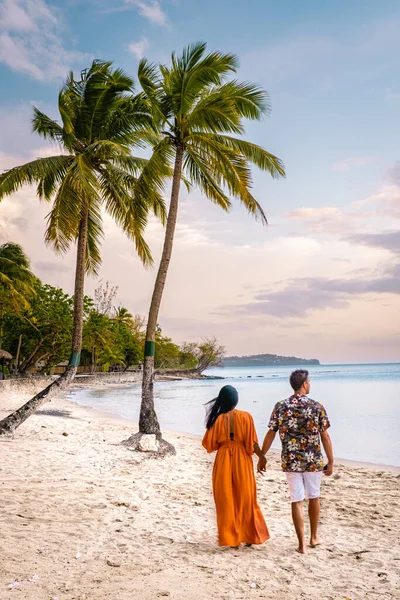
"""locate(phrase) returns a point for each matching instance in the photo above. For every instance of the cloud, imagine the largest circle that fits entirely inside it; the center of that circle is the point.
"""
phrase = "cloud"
(387, 199)
(303, 296)
(31, 40)
(388, 240)
(151, 10)
(329, 219)
(334, 220)
(139, 48)
(314, 213)
(393, 174)
(349, 163)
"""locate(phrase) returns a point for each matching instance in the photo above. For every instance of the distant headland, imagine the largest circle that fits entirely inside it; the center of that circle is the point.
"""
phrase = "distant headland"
(266, 360)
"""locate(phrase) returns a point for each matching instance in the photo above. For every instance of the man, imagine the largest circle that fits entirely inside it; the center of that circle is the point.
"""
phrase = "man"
(302, 424)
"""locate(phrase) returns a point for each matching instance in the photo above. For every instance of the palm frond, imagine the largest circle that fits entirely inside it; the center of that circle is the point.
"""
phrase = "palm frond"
(149, 78)
(223, 147)
(199, 173)
(230, 167)
(192, 73)
(51, 167)
(250, 101)
(46, 127)
(129, 117)
(94, 235)
(64, 218)
(128, 212)
(103, 90)
(214, 112)
(256, 154)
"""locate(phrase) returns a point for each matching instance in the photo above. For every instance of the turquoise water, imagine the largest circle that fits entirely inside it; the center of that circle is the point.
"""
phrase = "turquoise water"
(362, 401)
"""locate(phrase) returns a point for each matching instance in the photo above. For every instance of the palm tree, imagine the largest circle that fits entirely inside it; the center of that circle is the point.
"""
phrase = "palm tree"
(101, 120)
(122, 316)
(197, 108)
(16, 280)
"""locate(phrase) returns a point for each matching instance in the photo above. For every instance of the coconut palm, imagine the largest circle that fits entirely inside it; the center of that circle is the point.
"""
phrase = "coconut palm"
(122, 316)
(16, 280)
(199, 111)
(101, 120)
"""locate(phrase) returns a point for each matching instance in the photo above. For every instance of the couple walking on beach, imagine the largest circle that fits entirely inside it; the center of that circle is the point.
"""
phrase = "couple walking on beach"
(302, 424)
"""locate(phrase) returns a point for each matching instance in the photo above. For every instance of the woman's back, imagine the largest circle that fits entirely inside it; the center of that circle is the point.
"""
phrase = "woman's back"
(236, 426)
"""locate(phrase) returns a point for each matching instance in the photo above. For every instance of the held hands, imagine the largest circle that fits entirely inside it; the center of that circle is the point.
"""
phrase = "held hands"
(262, 465)
(328, 470)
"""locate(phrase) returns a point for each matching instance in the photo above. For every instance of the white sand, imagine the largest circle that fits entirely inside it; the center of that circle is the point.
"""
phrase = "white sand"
(84, 518)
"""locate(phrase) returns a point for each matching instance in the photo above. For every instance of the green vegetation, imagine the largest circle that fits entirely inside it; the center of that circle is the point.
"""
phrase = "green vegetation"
(267, 360)
(16, 281)
(38, 333)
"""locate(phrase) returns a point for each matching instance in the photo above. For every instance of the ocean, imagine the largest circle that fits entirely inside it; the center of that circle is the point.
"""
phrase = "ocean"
(362, 401)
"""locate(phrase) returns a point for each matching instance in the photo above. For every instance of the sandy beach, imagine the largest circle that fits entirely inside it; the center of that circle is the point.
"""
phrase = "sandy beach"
(84, 518)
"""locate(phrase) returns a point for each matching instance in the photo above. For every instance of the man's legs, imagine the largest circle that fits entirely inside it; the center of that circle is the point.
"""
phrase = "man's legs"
(297, 495)
(298, 521)
(313, 515)
(312, 482)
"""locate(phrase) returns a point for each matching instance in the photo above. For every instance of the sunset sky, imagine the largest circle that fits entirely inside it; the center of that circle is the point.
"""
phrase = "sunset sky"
(323, 279)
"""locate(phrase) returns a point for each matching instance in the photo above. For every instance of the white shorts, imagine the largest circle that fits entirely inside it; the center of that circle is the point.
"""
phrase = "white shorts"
(304, 485)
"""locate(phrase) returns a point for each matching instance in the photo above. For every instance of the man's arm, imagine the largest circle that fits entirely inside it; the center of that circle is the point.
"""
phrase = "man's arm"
(269, 438)
(327, 444)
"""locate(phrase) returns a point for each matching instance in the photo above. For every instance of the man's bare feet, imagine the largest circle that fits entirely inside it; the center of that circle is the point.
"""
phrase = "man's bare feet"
(314, 542)
(301, 550)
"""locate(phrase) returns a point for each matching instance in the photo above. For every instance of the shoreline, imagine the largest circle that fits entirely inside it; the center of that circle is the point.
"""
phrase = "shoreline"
(32, 385)
(114, 416)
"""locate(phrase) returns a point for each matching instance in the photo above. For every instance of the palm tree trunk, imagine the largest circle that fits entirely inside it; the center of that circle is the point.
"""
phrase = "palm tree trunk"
(15, 419)
(79, 292)
(148, 421)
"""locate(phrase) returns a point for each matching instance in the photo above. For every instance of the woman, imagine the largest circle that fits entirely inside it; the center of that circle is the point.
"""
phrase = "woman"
(231, 432)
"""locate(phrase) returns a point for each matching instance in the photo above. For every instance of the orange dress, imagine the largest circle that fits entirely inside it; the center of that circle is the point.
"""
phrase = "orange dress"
(239, 518)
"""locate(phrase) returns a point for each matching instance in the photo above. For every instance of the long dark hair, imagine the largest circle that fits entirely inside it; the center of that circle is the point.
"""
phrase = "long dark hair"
(226, 401)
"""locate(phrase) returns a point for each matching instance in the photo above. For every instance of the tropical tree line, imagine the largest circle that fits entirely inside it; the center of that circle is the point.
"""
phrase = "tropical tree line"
(36, 320)
(189, 116)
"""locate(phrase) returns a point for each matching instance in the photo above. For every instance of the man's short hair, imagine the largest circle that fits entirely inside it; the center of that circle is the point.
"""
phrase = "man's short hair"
(297, 379)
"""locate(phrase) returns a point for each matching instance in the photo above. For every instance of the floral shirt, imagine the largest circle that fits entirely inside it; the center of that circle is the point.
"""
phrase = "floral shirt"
(300, 421)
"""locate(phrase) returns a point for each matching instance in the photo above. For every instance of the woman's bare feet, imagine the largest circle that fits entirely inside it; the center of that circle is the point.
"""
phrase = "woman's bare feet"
(302, 549)
(314, 542)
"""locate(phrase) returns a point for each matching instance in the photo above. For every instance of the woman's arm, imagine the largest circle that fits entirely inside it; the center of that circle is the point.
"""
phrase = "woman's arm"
(262, 461)
(257, 450)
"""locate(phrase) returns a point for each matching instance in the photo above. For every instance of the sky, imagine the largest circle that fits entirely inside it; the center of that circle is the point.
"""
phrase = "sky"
(322, 280)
